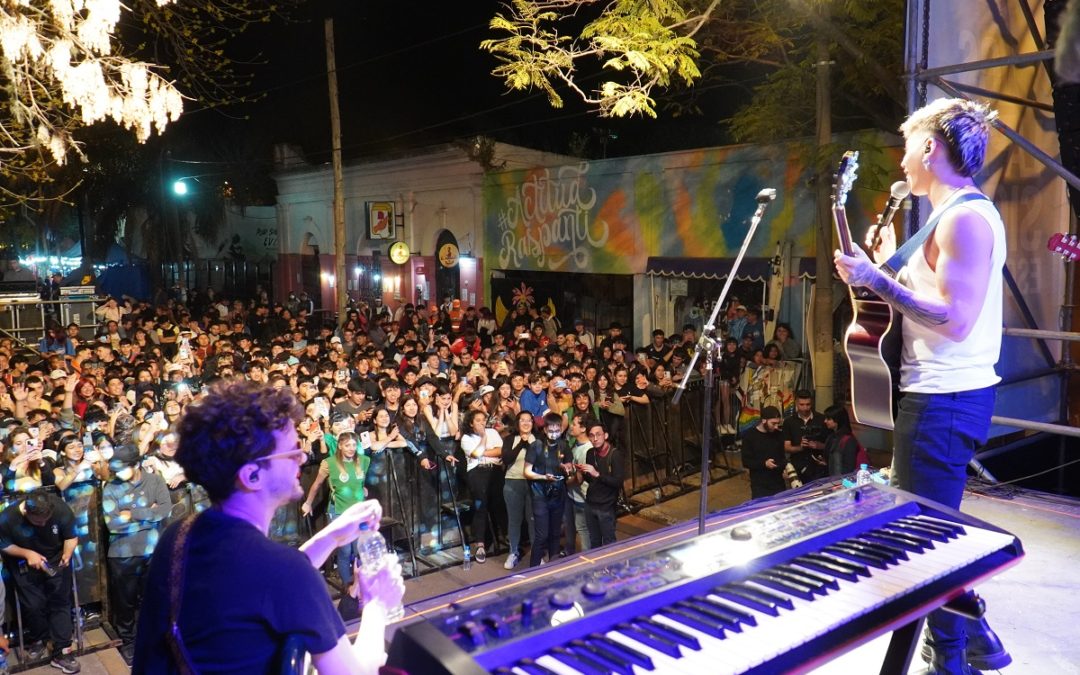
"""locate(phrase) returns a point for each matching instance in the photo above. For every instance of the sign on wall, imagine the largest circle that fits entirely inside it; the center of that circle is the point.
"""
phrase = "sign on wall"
(380, 220)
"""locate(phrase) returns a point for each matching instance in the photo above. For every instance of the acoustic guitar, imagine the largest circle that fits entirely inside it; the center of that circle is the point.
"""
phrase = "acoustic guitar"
(872, 341)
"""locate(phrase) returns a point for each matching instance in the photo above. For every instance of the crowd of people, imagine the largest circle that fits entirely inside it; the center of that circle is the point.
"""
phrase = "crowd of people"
(518, 424)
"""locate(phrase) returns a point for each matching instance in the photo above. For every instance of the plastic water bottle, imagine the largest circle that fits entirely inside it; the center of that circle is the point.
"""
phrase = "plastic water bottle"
(466, 561)
(862, 476)
(372, 551)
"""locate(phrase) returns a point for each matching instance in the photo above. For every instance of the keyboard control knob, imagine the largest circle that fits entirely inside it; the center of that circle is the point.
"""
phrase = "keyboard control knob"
(594, 589)
(741, 533)
(561, 600)
(474, 633)
(526, 612)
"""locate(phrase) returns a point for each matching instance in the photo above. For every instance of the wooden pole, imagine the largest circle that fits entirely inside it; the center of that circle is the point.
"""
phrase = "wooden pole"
(340, 281)
(822, 343)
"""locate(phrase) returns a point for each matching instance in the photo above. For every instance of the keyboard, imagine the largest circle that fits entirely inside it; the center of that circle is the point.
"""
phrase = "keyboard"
(775, 592)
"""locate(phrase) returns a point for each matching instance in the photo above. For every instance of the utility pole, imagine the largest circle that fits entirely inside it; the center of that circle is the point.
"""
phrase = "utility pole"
(340, 281)
(822, 343)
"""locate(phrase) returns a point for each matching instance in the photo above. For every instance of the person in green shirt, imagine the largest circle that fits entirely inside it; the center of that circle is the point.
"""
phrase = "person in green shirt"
(344, 468)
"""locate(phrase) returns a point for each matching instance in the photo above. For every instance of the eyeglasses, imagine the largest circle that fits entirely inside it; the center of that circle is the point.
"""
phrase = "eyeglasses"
(296, 455)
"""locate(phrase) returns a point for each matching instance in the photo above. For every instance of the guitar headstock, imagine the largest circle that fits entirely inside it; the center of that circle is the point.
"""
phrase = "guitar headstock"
(845, 176)
(1066, 245)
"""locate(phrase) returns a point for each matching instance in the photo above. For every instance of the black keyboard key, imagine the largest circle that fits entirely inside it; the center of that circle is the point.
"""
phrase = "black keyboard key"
(895, 552)
(649, 639)
(582, 664)
(855, 567)
(632, 655)
(695, 620)
(912, 538)
(915, 527)
(726, 606)
(955, 529)
(801, 572)
(779, 598)
(674, 634)
(855, 554)
(610, 661)
(748, 599)
(779, 583)
(720, 616)
(838, 571)
(894, 539)
(533, 668)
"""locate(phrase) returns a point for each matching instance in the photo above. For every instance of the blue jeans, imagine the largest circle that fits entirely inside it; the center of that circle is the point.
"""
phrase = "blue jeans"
(343, 556)
(934, 439)
(518, 498)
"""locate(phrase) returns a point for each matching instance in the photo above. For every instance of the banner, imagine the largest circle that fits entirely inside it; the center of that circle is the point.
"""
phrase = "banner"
(610, 216)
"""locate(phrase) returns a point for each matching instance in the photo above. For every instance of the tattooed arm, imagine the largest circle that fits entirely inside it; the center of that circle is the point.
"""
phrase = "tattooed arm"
(964, 245)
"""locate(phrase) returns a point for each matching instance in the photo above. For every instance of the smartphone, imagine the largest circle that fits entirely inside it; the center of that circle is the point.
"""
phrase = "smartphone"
(342, 375)
(323, 406)
(365, 440)
(158, 420)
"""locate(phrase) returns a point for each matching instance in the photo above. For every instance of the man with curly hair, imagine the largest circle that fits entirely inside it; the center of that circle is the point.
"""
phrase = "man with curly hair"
(238, 595)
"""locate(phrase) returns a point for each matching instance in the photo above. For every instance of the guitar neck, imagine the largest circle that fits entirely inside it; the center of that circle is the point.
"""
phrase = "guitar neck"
(843, 232)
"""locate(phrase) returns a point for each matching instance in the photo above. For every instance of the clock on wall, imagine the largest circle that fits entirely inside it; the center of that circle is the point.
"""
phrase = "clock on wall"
(399, 252)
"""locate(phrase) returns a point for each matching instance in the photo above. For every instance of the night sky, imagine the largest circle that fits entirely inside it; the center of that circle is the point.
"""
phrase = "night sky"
(410, 75)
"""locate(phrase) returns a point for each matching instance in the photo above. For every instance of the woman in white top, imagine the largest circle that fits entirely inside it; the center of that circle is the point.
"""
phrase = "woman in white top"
(483, 462)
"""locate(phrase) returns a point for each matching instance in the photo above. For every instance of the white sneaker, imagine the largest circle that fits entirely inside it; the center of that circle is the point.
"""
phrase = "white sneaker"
(511, 561)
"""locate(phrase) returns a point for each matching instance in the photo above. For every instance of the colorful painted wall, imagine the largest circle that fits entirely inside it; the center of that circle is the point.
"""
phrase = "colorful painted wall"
(610, 216)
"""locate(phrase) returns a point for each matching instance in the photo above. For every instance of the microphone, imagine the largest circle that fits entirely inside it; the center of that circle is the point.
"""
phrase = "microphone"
(769, 194)
(897, 194)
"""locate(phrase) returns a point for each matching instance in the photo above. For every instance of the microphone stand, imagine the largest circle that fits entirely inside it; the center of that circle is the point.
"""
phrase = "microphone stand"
(708, 345)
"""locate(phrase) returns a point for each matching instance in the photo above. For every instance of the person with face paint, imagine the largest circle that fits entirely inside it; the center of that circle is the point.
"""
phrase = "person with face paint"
(134, 503)
(546, 466)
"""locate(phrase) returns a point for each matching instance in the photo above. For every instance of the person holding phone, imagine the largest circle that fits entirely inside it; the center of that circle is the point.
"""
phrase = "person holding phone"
(27, 468)
(384, 439)
(547, 465)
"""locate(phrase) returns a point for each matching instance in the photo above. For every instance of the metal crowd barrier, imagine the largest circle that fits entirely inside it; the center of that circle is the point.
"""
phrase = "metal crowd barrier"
(25, 320)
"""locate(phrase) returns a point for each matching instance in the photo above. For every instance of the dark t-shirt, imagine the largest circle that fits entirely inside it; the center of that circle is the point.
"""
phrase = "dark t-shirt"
(757, 448)
(48, 540)
(243, 596)
(795, 428)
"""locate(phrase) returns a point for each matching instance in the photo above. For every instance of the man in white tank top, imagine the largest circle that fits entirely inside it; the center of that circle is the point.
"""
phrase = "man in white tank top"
(949, 294)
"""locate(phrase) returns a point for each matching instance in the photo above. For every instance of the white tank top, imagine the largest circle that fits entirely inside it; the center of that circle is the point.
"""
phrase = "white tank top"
(931, 362)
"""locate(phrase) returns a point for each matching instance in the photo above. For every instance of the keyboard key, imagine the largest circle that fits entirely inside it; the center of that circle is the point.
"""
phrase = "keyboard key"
(630, 654)
(611, 662)
(695, 620)
(581, 663)
(824, 582)
(784, 585)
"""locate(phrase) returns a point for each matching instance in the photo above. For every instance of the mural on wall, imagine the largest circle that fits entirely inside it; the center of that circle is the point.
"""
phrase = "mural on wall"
(610, 216)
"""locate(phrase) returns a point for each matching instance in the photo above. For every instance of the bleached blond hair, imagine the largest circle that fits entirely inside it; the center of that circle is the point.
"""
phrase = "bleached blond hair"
(963, 127)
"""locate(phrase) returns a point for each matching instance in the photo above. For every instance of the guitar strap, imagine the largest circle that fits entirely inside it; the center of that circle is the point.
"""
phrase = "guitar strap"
(904, 253)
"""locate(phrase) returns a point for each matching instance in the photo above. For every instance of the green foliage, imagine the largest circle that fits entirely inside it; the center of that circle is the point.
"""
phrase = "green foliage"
(636, 43)
(659, 45)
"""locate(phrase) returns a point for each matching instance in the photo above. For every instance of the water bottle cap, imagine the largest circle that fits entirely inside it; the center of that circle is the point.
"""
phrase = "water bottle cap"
(863, 466)
(366, 526)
